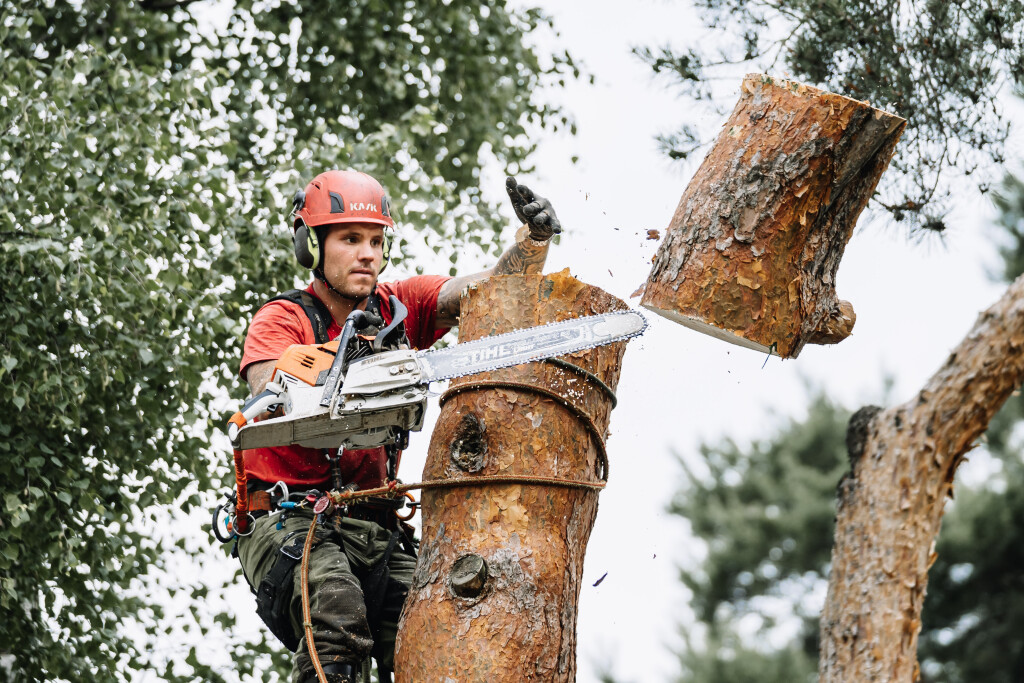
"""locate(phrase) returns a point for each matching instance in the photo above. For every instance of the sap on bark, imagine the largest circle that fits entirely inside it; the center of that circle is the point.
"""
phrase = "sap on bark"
(494, 595)
(752, 251)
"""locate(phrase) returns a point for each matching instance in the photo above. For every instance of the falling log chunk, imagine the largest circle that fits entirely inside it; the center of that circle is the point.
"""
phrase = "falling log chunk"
(494, 595)
(752, 250)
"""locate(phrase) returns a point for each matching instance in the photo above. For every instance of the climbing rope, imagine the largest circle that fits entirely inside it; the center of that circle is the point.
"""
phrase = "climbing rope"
(307, 619)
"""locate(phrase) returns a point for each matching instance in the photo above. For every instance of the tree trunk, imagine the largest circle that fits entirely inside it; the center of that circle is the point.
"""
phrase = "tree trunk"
(890, 505)
(752, 251)
(495, 592)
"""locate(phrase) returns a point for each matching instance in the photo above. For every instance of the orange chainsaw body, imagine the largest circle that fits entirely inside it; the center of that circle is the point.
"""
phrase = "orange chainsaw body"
(307, 363)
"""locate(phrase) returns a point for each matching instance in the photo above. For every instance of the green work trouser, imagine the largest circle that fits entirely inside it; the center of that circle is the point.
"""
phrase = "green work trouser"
(341, 632)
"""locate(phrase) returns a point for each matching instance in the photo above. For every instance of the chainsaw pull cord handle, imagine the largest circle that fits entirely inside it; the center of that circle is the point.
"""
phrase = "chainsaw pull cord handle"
(398, 315)
(356, 320)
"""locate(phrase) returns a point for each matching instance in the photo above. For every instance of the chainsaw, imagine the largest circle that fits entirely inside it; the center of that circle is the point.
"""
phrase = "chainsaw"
(363, 392)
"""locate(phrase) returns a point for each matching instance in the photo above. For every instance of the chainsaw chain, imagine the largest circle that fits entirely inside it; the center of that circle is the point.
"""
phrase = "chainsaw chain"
(540, 355)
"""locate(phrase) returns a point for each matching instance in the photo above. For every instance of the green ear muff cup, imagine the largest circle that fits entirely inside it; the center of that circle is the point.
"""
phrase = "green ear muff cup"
(307, 247)
(388, 237)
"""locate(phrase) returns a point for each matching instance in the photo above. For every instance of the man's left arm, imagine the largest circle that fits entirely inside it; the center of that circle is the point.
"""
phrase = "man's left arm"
(526, 255)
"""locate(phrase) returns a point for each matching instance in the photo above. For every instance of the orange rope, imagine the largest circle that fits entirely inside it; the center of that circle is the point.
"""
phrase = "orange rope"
(242, 503)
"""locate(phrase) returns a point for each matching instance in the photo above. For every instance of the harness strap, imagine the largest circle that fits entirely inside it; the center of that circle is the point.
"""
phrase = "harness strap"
(317, 312)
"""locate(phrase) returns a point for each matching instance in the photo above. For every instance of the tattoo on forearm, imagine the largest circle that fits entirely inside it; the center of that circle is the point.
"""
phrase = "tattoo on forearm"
(448, 301)
(525, 256)
(259, 375)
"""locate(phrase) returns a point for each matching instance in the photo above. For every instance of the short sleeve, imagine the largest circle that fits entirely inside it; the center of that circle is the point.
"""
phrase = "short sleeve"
(273, 329)
(419, 294)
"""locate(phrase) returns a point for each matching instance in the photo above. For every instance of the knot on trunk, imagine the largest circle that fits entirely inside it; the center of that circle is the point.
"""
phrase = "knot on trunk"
(857, 434)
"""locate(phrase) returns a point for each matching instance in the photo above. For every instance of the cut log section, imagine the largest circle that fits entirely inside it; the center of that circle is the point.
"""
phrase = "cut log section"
(752, 250)
(494, 595)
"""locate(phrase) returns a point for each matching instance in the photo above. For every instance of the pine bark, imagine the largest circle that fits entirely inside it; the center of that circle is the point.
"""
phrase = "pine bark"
(516, 620)
(752, 251)
(903, 461)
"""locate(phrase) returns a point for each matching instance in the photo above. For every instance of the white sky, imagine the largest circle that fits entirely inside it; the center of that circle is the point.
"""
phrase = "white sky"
(914, 303)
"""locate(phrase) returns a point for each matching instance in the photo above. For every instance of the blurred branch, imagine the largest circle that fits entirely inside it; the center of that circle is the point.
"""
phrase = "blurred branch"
(164, 4)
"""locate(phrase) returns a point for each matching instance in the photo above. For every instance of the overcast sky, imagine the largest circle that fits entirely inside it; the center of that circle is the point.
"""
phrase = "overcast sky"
(678, 387)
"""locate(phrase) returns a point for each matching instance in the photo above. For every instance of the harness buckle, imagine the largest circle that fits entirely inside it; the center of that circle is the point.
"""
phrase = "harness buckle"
(292, 551)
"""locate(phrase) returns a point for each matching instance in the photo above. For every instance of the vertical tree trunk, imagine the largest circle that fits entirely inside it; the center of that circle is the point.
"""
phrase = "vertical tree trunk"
(752, 251)
(495, 591)
(891, 503)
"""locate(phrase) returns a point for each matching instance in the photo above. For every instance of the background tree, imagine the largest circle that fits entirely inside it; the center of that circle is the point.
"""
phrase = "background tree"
(147, 162)
(941, 65)
(766, 515)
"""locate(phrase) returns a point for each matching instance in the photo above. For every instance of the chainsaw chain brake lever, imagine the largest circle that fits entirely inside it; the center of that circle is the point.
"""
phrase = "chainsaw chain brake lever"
(356, 320)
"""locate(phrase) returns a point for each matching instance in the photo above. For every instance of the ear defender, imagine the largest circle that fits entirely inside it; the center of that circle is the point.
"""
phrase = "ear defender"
(307, 246)
(388, 237)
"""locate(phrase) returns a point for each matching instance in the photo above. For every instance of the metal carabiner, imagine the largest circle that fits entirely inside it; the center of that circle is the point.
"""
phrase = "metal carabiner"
(251, 524)
(412, 508)
(285, 495)
(217, 523)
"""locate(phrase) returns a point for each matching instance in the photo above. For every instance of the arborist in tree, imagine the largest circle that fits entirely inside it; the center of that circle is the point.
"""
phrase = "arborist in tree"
(361, 566)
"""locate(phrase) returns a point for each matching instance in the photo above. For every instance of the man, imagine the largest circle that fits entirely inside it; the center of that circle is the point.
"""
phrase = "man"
(358, 578)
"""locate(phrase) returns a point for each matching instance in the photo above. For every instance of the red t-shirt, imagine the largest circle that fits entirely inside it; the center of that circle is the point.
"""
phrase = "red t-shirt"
(278, 325)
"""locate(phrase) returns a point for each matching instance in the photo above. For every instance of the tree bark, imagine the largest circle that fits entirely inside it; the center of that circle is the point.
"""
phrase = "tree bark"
(751, 254)
(495, 591)
(891, 503)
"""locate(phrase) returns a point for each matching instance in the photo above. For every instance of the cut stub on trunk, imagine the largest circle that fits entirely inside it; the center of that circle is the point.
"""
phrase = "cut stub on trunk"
(495, 591)
(752, 251)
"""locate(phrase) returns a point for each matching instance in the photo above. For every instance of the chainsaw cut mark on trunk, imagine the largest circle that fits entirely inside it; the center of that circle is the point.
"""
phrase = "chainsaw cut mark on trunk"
(469, 448)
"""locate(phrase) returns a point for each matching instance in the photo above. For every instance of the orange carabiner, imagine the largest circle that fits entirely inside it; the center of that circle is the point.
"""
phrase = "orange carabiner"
(412, 509)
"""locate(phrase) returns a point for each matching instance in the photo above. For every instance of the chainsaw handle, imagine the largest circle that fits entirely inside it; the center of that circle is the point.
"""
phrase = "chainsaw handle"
(259, 403)
(356, 320)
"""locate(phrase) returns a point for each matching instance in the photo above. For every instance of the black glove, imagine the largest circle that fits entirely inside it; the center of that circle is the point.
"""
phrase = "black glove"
(536, 212)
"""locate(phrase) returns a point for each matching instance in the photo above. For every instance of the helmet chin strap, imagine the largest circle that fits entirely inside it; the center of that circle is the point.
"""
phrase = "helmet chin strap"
(356, 300)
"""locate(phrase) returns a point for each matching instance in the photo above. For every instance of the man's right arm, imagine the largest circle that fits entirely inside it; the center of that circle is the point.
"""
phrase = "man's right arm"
(258, 375)
(273, 329)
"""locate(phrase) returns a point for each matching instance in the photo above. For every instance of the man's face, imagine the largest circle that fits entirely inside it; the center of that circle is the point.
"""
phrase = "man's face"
(352, 256)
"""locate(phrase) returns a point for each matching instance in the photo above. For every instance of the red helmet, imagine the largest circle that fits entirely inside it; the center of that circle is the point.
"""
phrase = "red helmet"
(337, 197)
(344, 197)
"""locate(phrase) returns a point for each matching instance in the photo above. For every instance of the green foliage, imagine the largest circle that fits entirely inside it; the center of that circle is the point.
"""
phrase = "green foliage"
(766, 516)
(146, 165)
(1009, 199)
(939, 64)
(734, 662)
